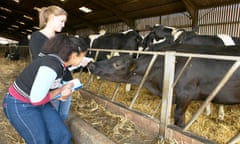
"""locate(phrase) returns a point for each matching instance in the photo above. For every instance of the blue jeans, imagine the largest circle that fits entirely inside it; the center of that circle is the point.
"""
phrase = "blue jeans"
(62, 107)
(36, 124)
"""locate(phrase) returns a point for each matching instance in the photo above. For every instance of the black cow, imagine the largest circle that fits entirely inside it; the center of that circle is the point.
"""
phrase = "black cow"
(12, 56)
(174, 35)
(153, 43)
(129, 40)
(196, 83)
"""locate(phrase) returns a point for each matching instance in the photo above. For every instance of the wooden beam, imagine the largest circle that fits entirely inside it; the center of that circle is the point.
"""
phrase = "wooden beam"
(110, 7)
(11, 35)
(193, 11)
(158, 10)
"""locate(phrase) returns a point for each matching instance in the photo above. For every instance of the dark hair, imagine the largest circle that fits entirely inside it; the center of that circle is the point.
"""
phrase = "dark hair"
(64, 45)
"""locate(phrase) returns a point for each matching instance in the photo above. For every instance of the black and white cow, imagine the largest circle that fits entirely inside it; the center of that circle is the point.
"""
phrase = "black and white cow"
(162, 36)
(128, 40)
(196, 83)
(171, 35)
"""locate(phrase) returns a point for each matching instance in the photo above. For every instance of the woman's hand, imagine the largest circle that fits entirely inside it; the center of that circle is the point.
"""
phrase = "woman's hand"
(66, 91)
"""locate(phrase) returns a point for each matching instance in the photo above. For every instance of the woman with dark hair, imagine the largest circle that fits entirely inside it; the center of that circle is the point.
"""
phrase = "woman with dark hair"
(27, 104)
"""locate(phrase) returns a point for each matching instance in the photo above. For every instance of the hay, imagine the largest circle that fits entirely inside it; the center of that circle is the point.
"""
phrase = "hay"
(9, 71)
(209, 127)
(116, 127)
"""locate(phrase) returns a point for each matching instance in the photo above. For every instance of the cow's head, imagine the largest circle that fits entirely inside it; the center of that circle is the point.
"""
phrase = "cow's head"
(115, 69)
(161, 31)
(158, 34)
(132, 34)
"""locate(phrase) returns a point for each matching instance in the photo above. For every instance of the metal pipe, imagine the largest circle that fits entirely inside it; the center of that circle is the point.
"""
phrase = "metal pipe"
(182, 70)
(143, 80)
(89, 81)
(100, 87)
(183, 54)
(116, 91)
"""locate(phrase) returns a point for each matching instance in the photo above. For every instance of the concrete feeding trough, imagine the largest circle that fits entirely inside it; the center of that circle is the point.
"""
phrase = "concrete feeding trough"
(84, 133)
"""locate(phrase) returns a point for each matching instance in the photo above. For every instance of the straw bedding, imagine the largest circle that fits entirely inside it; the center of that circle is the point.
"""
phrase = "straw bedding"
(117, 127)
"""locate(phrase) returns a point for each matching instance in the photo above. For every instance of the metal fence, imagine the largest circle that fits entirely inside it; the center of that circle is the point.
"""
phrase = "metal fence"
(169, 83)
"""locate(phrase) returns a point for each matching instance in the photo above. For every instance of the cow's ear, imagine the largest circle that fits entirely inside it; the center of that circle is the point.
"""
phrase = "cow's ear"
(157, 25)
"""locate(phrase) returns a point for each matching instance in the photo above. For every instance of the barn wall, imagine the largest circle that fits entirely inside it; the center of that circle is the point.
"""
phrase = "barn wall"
(114, 28)
(84, 32)
(219, 20)
(179, 20)
(143, 24)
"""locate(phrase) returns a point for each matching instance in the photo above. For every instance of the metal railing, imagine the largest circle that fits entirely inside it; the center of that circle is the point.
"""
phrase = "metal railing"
(169, 83)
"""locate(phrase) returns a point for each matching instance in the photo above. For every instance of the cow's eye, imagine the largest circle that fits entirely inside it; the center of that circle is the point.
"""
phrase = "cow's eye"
(116, 65)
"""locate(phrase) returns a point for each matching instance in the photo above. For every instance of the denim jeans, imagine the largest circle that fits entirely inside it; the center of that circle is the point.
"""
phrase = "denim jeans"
(62, 107)
(36, 124)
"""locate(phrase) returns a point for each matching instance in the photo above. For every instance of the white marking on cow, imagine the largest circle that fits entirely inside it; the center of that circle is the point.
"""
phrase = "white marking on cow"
(208, 110)
(173, 28)
(112, 54)
(147, 48)
(176, 34)
(158, 41)
(143, 36)
(102, 32)
(227, 40)
(221, 112)
(128, 87)
(140, 48)
(125, 32)
(95, 36)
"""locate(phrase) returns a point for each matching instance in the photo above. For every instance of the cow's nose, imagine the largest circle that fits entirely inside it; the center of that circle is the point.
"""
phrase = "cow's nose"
(91, 66)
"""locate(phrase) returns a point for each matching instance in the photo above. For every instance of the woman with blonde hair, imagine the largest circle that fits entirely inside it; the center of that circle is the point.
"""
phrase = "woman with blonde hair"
(51, 21)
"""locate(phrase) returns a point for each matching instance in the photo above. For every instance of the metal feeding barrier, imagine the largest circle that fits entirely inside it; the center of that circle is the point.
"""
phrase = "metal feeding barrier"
(170, 82)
